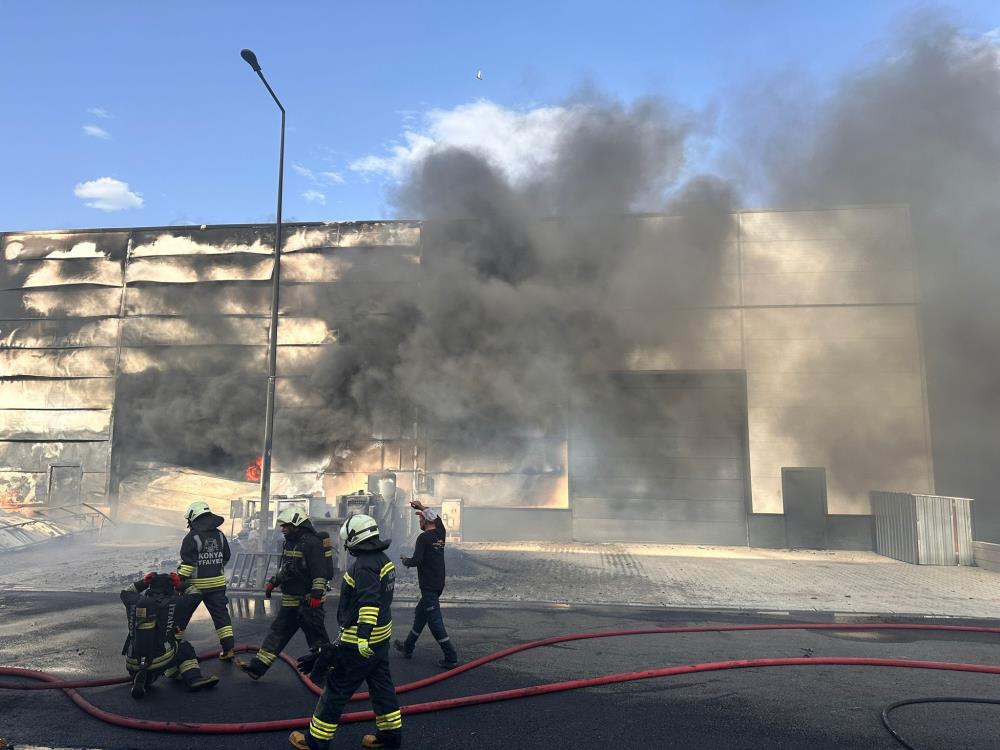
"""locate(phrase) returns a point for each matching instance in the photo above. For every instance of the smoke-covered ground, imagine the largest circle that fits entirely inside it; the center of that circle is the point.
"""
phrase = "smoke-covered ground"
(516, 312)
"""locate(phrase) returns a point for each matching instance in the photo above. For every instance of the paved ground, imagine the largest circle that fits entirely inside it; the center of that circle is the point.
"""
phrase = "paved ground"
(77, 634)
(636, 574)
(718, 577)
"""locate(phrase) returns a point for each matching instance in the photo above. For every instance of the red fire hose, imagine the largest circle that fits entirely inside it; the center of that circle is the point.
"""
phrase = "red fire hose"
(50, 682)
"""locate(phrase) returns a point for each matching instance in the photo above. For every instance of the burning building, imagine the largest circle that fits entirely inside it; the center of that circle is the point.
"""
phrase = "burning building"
(748, 379)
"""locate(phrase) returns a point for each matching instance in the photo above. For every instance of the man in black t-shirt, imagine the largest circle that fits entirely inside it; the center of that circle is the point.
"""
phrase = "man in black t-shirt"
(428, 559)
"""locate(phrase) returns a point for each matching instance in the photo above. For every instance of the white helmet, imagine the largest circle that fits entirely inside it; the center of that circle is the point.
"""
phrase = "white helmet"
(356, 529)
(196, 509)
(294, 514)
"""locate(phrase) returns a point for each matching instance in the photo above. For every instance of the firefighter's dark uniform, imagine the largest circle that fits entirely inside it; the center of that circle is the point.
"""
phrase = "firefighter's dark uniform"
(152, 644)
(302, 573)
(204, 554)
(365, 612)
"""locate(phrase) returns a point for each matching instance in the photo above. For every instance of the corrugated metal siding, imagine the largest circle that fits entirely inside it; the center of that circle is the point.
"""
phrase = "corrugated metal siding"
(895, 525)
(923, 529)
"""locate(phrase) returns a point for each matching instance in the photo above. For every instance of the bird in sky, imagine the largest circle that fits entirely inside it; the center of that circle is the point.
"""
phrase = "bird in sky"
(479, 75)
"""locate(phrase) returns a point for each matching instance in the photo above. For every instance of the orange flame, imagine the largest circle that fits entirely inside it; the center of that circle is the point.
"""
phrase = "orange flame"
(253, 471)
(9, 498)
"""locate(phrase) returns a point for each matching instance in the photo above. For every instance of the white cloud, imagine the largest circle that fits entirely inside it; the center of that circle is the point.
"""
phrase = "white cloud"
(315, 196)
(108, 194)
(95, 132)
(98, 112)
(322, 178)
(517, 142)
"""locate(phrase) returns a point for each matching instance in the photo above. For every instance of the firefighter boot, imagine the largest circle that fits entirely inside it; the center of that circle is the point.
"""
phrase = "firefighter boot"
(228, 654)
(139, 684)
(250, 668)
(389, 738)
(401, 648)
(202, 683)
(303, 741)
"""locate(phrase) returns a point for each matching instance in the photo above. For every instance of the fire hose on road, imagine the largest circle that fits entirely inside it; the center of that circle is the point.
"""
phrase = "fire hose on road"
(47, 681)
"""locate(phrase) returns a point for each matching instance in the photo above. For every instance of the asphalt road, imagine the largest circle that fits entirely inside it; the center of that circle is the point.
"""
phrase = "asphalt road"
(79, 635)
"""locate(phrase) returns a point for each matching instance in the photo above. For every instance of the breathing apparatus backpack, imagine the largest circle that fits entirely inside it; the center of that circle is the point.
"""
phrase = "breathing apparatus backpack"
(150, 642)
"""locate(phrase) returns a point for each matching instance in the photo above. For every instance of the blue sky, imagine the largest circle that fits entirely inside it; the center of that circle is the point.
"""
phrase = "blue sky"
(142, 114)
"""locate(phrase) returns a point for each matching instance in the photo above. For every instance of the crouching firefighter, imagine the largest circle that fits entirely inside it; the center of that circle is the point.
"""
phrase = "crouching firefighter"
(153, 647)
(204, 554)
(303, 572)
(361, 652)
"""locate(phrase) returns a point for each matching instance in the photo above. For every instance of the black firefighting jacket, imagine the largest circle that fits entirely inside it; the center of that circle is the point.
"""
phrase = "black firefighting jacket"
(152, 624)
(204, 554)
(428, 558)
(365, 609)
(302, 569)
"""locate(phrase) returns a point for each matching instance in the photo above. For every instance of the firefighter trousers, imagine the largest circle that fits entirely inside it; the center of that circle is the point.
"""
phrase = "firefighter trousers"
(289, 621)
(183, 665)
(350, 669)
(217, 605)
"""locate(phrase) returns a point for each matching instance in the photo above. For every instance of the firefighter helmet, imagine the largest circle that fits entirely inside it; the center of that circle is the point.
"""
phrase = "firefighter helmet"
(294, 514)
(356, 529)
(196, 509)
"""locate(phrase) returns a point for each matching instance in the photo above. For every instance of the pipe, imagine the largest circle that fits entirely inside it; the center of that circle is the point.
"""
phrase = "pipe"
(52, 682)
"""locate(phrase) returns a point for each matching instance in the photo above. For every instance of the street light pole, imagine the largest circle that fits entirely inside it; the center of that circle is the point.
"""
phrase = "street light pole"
(272, 345)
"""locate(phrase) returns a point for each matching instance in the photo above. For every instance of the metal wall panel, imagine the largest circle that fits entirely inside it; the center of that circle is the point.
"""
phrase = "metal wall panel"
(255, 240)
(36, 457)
(191, 269)
(923, 529)
(69, 302)
(56, 424)
(57, 363)
(81, 393)
(52, 273)
(895, 525)
(58, 334)
(63, 245)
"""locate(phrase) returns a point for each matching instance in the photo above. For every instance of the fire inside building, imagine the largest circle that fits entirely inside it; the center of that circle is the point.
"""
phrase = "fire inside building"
(762, 414)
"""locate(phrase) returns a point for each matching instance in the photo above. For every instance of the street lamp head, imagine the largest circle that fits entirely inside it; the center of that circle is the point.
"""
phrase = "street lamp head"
(251, 59)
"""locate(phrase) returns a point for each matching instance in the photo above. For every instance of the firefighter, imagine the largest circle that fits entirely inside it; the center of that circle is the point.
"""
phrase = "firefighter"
(428, 559)
(153, 647)
(303, 572)
(361, 652)
(204, 554)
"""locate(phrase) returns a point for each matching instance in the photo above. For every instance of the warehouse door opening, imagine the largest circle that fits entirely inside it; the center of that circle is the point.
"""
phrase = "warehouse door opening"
(803, 492)
(661, 457)
(65, 481)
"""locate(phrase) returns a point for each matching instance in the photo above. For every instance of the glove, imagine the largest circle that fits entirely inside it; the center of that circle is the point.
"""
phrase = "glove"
(317, 662)
(315, 602)
(176, 580)
(268, 588)
(306, 663)
(148, 578)
(364, 649)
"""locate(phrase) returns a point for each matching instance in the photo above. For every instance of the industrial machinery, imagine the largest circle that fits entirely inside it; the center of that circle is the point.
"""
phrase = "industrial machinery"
(380, 499)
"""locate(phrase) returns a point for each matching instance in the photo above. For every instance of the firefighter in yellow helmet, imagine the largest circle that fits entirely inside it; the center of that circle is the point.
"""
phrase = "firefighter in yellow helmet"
(303, 572)
(361, 653)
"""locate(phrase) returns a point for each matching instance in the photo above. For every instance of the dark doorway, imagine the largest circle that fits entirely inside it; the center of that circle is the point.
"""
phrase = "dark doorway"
(65, 482)
(804, 495)
(661, 457)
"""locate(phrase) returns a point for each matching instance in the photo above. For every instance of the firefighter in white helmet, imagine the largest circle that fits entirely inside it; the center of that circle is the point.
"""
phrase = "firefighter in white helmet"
(204, 554)
(361, 653)
(303, 572)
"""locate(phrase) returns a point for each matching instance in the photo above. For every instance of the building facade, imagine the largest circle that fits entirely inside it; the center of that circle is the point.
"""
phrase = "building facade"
(764, 414)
